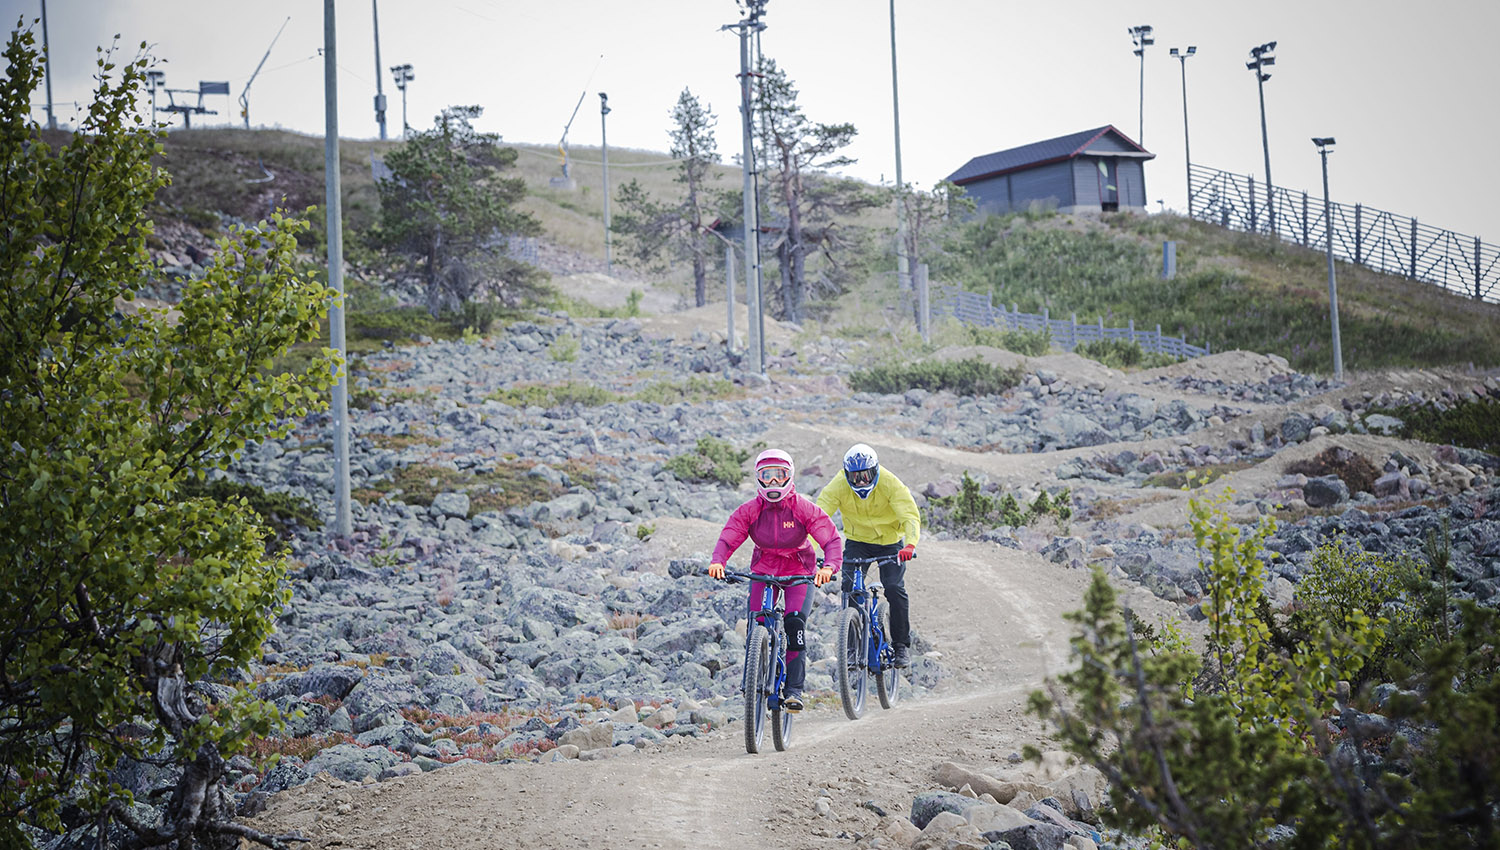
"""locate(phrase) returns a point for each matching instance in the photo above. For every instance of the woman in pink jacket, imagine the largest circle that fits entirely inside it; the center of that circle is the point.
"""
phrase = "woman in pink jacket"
(778, 521)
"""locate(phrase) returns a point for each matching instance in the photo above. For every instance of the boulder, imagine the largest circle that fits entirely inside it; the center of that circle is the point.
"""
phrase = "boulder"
(592, 737)
(1325, 491)
(929, 804)
(1296, 427)
(353, 763)
(451, 504)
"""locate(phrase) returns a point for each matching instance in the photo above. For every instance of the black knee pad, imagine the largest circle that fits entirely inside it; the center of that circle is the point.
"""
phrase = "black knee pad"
(796, 632)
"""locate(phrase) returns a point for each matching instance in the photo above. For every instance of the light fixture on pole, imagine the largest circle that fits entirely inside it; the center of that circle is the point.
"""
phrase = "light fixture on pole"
(1324, 143)
(403, 75)
(1263, 57)
(1141, 37)
(1187, 150)
(154, 80)
(609, 265)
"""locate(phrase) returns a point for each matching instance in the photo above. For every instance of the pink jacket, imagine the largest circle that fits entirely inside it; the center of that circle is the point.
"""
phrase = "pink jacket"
(779, 531)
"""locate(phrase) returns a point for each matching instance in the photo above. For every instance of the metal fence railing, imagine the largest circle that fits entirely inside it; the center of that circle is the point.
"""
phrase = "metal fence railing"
(971, 308)
(1373, 238)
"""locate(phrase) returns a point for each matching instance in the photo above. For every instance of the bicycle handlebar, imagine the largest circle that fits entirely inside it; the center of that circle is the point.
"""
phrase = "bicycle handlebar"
(876, 559)
(781, 581)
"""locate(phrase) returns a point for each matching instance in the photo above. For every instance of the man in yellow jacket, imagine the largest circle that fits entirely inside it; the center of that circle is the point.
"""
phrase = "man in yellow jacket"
(880, 519)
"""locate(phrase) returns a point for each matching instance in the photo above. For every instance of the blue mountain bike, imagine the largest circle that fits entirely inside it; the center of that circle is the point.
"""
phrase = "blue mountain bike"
(864, 648)
(765, 662)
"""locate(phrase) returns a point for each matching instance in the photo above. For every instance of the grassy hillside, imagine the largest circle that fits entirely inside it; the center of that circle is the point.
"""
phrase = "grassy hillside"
(1233, 290)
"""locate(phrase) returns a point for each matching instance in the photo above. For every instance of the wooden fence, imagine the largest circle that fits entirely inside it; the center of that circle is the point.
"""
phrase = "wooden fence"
(974, 309)
(1376, 239)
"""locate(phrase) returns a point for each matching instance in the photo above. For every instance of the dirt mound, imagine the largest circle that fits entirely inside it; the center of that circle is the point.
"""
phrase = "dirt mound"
(1233, 366)
(988, 354)
(604, 291)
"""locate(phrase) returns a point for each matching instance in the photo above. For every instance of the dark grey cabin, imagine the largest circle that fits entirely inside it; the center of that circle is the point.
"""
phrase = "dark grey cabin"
(1092, 171)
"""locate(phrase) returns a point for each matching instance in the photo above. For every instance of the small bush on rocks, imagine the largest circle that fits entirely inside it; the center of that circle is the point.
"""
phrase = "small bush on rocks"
(964, 377)
(1471, 424)
(554, 395)
(712, 460)
(1122, 354)
(1029, 343)
(1354, 469)
(970, 508)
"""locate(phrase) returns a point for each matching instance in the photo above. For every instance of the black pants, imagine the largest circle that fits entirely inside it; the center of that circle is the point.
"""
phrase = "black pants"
(893, 576)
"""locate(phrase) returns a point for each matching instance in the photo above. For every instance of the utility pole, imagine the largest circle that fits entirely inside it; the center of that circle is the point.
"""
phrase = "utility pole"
(1324, 143)
(47, 68)
(748, 26)
(903, 262)
(154, 80)
(1260, 58)
(379, 86)
(609, 264)
(335, 223)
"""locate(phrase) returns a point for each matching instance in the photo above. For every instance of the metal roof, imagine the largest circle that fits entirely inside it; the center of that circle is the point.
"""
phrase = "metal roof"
(1040, 153)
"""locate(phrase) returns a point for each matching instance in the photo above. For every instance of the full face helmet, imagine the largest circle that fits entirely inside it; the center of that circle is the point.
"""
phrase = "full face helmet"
(861, 469)
(773, 475)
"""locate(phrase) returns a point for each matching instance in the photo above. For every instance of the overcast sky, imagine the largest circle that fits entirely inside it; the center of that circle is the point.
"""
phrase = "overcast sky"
(1406, 88)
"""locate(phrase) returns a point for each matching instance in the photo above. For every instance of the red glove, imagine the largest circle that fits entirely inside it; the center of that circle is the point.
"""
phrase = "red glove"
(908, 553)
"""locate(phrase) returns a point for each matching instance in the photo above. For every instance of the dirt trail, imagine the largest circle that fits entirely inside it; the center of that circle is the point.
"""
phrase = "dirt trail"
(994, 614)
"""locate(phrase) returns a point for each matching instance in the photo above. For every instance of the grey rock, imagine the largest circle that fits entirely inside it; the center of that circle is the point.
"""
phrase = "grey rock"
(1325, 491)
(451, 504)
(330, 680)
(1032, 836)
(352, 763)
(1296, 427)
(928, 804)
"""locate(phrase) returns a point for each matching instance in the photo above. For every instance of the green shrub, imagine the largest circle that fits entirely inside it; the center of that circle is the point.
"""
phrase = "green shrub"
(697, 388)
(554, 395)
(712, 460)
(1472, 424)
(281, 512)
(1344, 583)
(971, 509)
(1122, 354)
(1029, 343)
(564, 349)
(964, 377)
(1269, 735)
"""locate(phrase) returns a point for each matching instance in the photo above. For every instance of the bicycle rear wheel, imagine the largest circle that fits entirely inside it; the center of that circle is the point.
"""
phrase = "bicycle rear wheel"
(854, 677)
(758, 681)
(888, 679)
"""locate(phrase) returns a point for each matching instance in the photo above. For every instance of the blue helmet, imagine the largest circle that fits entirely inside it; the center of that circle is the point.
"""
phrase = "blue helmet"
(861, 469)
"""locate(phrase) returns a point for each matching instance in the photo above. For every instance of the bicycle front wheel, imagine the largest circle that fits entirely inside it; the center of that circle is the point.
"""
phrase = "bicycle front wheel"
(759, 679)
(854, 679)
(888, 679)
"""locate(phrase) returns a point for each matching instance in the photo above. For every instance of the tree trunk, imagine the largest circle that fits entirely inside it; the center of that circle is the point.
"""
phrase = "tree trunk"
(700, 267)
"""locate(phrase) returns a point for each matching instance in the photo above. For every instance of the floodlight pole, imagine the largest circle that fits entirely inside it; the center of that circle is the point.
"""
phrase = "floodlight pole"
(1187, 149)
(609, 264)
(344, 524)
(903, 262)
(749, 25)
(1333, 290)
(1141, 35)
(47, 68)
(1260, 59)
(379, 85)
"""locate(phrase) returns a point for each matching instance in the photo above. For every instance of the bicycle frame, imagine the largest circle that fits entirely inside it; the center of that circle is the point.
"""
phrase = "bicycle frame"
(772, 610)
(867, 599)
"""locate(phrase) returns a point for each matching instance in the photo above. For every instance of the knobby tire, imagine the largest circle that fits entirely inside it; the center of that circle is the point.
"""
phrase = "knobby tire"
(888, 680)
(758, 673)
(854, 678)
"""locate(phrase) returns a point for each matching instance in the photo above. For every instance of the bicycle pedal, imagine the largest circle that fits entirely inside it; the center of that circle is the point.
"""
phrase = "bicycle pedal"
(793, 704)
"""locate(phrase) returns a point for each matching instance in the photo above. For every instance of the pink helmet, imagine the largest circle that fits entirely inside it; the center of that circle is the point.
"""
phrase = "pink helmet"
(773, 475)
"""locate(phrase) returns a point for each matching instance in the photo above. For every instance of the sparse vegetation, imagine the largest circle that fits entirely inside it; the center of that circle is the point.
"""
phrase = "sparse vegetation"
(972, 510)
(1471, 424)
(964, 377)
(712, 460)
(1122, 354)
(507, 484)
(1192, 479)
(1029, 343)
(1352, 468)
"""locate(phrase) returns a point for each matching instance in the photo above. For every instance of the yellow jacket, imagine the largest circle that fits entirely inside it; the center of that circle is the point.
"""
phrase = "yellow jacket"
(887, 516)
